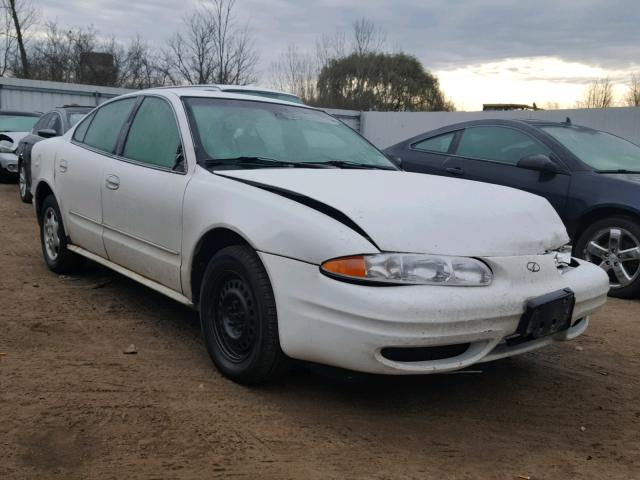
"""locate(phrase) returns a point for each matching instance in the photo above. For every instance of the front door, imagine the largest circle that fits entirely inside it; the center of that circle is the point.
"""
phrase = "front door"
(491, 154)
(142, 192)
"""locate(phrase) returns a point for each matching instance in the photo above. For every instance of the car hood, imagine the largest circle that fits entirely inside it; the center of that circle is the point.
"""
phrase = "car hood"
(629, 177)
(411, 212)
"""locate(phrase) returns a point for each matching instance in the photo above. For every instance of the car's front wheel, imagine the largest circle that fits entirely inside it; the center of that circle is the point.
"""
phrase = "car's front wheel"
(239, 318)
(53, 239)
(23, 184)
(614, 244)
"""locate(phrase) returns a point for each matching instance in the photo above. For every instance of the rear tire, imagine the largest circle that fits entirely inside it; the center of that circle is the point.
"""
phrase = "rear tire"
(53, 239)
(23, 184)
(614, 244)
(239, 318)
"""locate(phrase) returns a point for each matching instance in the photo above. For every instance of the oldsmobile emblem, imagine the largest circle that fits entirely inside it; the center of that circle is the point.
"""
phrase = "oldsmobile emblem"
(533, 267)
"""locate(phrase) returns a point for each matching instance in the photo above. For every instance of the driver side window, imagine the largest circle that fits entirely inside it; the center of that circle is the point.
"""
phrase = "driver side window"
(498, 144)
(154, 138)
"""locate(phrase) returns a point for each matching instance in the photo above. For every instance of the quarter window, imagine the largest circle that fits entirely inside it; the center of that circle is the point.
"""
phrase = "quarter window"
(154, 138)
(500, 144)
(106, 125)
(80, 132)
(439, 144)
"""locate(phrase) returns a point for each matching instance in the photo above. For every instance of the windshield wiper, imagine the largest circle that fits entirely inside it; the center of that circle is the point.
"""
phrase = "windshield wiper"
(619, 170)
(259, 162)
(347, 164)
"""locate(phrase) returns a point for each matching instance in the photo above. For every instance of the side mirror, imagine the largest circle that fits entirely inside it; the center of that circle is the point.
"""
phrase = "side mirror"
(47, 133)
(397, 161)
(540, 163)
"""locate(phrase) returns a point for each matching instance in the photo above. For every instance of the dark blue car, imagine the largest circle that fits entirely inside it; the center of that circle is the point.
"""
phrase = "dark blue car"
(592, 179)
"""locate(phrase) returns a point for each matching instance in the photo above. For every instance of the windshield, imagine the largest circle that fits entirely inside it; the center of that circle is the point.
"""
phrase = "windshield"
(261, 93)
(239, 129)
(599, 150)
(17, 123)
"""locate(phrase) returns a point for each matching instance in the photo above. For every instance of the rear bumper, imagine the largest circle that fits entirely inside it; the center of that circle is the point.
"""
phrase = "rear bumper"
(350, 326)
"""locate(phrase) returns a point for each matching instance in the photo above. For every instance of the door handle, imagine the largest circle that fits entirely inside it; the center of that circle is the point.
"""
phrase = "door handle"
(63, 166)
(455, 170)
(112, 182)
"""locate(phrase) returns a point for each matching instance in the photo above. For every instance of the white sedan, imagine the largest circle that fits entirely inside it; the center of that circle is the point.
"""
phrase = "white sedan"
(296, 238)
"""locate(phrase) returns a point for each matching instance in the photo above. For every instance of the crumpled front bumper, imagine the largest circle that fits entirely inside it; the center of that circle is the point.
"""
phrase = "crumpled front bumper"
(9, 163)
(348, 325)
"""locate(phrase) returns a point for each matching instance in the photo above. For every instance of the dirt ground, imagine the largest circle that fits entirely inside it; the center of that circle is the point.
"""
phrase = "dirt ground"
(72, 405)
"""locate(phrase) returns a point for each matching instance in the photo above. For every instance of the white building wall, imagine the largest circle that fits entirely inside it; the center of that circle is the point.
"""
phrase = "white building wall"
(40, 96)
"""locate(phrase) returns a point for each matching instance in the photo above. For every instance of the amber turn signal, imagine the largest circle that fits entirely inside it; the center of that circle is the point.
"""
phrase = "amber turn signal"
(347, 266)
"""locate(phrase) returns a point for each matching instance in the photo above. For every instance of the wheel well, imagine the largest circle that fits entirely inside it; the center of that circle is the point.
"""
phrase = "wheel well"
(42, 192)
(599, 214)
(211, 242)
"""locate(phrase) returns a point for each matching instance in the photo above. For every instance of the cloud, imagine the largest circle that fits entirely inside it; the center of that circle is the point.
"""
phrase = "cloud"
(447, 36)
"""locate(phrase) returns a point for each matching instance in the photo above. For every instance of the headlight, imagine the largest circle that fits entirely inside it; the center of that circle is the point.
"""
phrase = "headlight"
(410, 269)
(6, 145)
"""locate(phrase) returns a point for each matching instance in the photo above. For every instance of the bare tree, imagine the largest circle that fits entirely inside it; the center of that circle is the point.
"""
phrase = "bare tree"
(296, 72)
(632, 99)
(212, 49)
(137, 65)
(23, 16)
(7, 42)
(367, 37)
(598, 94)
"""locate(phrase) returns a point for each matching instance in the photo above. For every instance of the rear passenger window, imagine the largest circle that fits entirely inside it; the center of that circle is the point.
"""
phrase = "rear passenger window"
(439, 144)
(42, 123)
(500, 144)
(56, 124)
(153, 138)
(107, 122)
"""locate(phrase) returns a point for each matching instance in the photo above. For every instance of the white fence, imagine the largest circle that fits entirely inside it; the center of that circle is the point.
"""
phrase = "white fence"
(36, 95)
(382, 128)
(387, 128)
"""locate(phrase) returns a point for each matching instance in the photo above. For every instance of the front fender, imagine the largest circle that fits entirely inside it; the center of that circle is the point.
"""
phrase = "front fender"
(269, 222)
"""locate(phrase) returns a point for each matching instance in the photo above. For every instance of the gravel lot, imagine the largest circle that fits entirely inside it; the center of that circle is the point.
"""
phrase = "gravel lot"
(73, 405)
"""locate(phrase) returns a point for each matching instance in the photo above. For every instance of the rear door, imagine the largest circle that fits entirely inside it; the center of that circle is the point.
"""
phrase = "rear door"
(142, 191)
(491, 154)
(79, 172)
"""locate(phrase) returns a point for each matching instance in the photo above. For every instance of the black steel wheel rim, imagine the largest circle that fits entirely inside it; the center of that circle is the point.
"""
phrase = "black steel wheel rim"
(235, 317)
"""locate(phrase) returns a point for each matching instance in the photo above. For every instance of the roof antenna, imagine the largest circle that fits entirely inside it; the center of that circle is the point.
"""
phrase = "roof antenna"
(568, 121)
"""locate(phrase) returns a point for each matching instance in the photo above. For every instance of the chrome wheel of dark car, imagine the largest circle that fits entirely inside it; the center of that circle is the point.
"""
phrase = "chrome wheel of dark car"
(617, 251)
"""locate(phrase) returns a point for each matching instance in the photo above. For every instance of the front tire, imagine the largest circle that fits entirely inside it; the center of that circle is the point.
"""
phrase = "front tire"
(53, 239)
(239, 318)
(23, 184)
(614, 244)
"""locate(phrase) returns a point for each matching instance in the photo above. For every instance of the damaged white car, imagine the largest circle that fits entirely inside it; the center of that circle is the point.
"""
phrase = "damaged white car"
(296, 238)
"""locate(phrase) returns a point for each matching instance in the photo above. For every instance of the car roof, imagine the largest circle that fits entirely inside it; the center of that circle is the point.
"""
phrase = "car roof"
(222, 91)
(515, 122)
(229, 88)
(21, 113)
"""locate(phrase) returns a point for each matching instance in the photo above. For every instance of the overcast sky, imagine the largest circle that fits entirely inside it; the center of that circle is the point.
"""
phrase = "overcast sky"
(484, 51)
